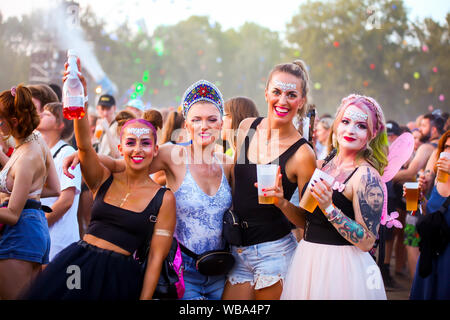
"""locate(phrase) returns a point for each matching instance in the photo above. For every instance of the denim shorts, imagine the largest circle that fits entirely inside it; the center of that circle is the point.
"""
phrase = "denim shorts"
(263, 264)
(28, 239)
(199, 286)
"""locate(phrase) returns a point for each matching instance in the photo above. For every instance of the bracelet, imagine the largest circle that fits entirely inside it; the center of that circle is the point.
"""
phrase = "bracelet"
(86, 99)
(329, 210)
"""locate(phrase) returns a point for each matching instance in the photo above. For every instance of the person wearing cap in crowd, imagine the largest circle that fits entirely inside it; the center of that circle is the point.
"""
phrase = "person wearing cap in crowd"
(135, 106)
(199, 178)
(106, 110)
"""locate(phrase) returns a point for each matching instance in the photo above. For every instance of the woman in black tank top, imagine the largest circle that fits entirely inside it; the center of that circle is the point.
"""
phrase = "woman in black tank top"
(268, 244)
(102, 265)
(332, 261)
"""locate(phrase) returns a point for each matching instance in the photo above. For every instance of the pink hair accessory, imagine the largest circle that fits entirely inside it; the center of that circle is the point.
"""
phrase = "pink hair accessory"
(13, 91)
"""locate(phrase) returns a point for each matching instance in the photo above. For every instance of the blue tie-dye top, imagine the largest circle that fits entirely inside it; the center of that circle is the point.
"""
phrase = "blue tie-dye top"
(200, 216)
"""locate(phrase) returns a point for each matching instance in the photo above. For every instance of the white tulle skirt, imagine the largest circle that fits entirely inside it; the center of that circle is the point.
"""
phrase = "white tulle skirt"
(328, 272)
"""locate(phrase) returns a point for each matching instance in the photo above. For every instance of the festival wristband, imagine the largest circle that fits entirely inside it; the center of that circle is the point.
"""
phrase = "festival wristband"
(162, 232)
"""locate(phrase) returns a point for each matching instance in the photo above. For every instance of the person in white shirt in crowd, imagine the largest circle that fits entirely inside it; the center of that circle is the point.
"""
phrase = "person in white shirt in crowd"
(63, 220)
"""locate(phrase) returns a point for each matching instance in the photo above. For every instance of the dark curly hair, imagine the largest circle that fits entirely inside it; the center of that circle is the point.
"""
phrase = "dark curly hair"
(20, 107)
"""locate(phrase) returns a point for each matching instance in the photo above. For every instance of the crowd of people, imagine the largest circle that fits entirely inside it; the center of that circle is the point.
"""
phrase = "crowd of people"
(88, 193)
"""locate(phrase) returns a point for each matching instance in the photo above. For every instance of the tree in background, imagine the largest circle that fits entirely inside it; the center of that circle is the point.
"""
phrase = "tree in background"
(364, 46)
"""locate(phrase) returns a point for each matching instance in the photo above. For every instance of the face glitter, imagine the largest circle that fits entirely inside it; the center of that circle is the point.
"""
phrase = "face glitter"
(285, 86)
(356, 116)
(138, 132)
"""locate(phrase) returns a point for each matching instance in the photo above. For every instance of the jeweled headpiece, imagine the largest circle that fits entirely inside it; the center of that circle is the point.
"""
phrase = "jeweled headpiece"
(202, 91)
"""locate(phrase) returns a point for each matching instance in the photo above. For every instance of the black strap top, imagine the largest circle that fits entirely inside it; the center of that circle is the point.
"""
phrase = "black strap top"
(265, 222)
(319, 230)
(125, 228)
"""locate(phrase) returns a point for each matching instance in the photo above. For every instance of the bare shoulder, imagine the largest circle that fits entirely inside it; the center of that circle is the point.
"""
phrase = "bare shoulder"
(367, 170)
(169, 197)
(246, 123)
(425, 149)
(168, 151)
(305, 154)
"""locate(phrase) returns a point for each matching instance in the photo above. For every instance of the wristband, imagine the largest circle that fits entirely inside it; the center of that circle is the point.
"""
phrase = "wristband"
(86, 99)
(329, 209)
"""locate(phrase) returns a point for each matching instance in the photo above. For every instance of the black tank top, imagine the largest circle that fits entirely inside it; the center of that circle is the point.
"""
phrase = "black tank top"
(319, 230)
(124, 228)
(265, 222)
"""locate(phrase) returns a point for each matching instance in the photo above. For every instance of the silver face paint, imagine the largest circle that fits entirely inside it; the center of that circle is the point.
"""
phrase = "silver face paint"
(284, 86)
(138, 132)
(356, 116)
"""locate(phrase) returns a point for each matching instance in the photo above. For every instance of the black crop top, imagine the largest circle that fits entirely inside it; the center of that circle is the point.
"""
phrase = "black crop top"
(124, 228)
(319, 230)
(265, 222)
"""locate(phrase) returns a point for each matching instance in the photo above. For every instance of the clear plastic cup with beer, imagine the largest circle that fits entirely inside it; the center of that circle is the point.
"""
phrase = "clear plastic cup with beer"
(442, 176)
(308, 202)
(411, 195)
(267, 176)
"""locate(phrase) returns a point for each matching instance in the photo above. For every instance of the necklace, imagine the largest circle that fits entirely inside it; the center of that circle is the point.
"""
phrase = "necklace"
(124, 199)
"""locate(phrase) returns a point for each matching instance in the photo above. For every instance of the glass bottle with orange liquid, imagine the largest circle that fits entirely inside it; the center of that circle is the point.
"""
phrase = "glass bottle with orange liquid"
(73, 91)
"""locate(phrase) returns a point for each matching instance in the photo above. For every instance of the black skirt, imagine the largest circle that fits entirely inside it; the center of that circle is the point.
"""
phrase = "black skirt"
(86, 272)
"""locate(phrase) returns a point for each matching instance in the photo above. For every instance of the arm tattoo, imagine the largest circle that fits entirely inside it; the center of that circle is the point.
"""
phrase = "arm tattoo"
(371, 198)
(348, 228)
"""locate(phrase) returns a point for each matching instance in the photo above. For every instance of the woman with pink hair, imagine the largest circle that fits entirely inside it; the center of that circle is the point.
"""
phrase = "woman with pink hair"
(333, 260)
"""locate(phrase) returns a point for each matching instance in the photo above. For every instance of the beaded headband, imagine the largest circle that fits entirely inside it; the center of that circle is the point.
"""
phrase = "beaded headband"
(202, 91)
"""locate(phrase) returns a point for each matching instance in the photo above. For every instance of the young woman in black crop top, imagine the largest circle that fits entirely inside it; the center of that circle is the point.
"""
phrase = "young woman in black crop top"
(332, 261)
(101, 266)
(268, 244)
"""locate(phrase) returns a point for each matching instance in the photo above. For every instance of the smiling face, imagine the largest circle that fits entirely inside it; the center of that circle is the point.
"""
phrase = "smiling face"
(137, 146)
(283, 96)
(352, 131)
(203, 123)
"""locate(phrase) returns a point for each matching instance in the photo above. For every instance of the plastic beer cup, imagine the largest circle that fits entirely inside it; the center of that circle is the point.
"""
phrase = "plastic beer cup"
(308, 202)
(266, 176)
(412, 195)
